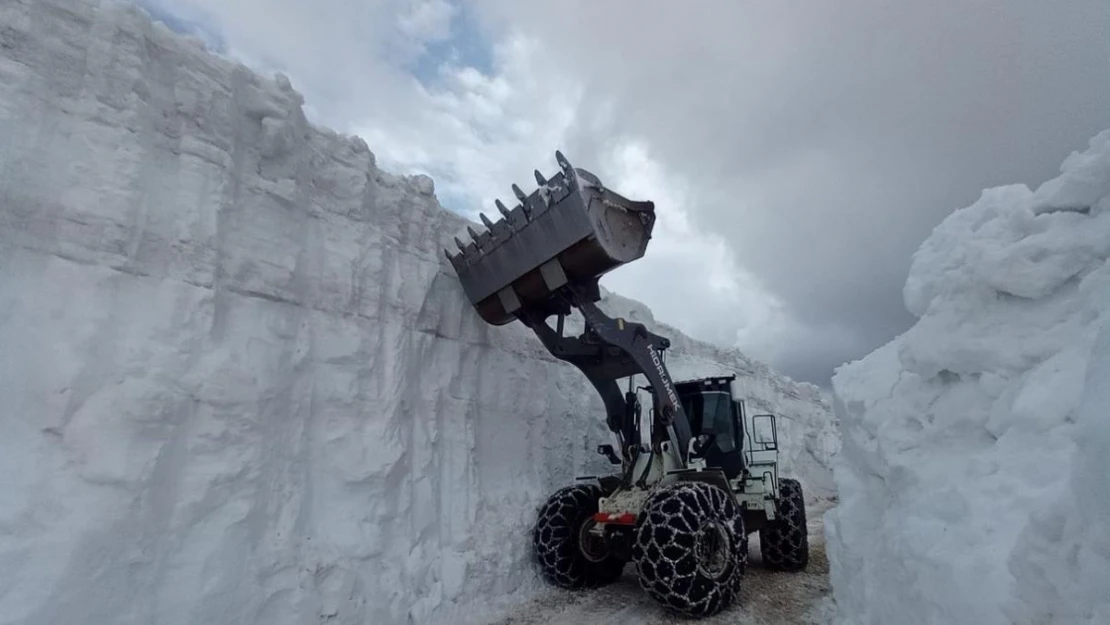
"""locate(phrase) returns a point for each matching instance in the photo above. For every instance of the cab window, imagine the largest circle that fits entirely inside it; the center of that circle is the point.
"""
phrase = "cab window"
(712, 413)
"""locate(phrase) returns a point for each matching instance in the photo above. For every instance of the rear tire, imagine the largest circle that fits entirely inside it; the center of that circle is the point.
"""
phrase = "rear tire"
(690, 548)
(784, 542)
(567, 556)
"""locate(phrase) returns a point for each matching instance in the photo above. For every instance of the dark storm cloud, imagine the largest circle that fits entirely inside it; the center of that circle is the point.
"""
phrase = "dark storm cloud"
(827, 140)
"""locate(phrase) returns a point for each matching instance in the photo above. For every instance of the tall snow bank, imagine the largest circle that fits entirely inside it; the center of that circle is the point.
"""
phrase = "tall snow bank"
(973, 474)
(238, 381)
(1062, 562)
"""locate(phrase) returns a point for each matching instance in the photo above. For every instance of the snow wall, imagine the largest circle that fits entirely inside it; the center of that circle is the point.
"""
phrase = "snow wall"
(239, 381)
(975, 470)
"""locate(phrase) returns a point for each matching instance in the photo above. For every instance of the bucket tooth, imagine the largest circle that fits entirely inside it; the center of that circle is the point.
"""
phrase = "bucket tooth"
(564, 164)
(501, 209)
(523, 202)
(540, 180)
(472, 233)
(485, 221)
(458, 261)
(460, 244)
(568, 171)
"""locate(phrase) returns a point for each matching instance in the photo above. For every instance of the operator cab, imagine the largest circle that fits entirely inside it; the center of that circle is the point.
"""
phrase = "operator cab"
(711, 410)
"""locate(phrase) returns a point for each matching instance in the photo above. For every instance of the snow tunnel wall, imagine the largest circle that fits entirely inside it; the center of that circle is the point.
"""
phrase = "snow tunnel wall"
(239, 382)
(974, 475)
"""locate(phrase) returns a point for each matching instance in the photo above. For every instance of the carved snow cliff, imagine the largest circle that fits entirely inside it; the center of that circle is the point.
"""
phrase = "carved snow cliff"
(974, 475)
(239, 382)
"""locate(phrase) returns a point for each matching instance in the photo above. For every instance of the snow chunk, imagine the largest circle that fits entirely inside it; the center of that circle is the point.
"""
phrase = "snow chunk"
(1084, 184)
(1062, 558)
(973, 470)
(424, 184)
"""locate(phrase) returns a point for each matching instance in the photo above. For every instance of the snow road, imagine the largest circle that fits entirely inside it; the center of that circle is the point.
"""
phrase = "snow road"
(767, 597)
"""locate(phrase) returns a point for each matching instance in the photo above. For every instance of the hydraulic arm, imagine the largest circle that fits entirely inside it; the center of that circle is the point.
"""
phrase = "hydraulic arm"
(612, 349)
(544, 258)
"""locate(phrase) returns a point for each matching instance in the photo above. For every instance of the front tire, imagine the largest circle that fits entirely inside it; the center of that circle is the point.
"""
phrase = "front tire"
(784, 542)
(568, 556)
(690, 548)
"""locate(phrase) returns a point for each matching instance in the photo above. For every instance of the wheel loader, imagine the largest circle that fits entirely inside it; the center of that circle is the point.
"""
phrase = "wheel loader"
(693, 480)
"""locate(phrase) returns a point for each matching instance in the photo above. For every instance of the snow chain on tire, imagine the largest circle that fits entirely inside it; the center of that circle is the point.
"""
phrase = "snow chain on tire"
(690, 548)
(558, 541)
(784, 542)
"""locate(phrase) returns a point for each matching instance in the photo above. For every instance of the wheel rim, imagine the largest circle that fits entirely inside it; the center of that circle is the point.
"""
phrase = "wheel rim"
(713, 550)
(592, 546)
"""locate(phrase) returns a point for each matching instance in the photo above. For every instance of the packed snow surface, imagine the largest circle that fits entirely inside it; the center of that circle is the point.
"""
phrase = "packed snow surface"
(240, 383)
(766, 597)
(975, 470)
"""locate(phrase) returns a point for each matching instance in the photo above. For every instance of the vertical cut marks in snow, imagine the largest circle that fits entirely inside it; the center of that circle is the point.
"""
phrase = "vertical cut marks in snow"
(968, 475)
(240, 382)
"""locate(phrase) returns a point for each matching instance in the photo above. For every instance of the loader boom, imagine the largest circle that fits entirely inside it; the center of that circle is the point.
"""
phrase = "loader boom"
(544, 258)
(611, 349)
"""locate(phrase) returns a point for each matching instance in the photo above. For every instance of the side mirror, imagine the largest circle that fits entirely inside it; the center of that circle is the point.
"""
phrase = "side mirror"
(701, 444)
(607, 451)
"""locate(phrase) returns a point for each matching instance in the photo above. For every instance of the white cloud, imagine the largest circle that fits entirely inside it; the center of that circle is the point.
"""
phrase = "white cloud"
(427, 20)
(492, 130)
(798, 154)
(477, 134)
(691, 275)
(419, 24)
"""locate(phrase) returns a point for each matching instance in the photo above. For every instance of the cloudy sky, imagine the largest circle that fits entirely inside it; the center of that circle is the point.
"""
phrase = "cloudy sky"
(797, 152)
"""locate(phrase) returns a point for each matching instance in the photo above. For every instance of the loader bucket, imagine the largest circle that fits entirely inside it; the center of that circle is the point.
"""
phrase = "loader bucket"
(569, 231)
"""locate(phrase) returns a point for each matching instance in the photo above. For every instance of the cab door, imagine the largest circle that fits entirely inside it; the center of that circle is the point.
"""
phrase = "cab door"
(729, 452)
(716, 414)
